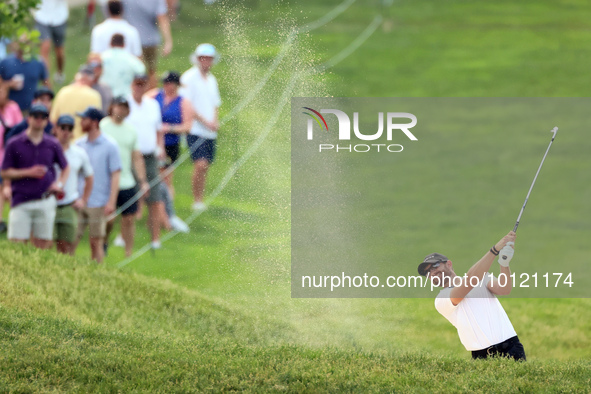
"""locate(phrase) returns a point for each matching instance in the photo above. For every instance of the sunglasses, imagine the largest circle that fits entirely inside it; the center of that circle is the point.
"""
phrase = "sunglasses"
(39, 116)
(434, 267)
(66, 128)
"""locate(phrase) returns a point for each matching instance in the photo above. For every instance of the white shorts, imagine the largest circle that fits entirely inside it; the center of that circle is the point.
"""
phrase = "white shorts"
(37, 215)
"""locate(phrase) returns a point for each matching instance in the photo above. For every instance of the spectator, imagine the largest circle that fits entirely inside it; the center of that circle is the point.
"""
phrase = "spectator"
(51, 19)
(145, 117)
(201, 89)
(28, 163)
(44, 96)
(10, 115)
(115, 24)
(119, 67)
(66, 218)
(106, 164)
(177, 118)
(95, 62)
(122, 132)
(77, 97)
(149, 16)
(23, 73)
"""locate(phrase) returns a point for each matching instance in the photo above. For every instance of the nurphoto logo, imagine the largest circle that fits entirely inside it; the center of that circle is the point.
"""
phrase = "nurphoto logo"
(393, 124)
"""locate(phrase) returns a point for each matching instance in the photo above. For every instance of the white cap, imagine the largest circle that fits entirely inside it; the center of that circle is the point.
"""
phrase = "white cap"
(205, 50)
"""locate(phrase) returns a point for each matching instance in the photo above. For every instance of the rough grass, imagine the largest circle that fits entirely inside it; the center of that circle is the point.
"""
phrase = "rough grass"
(66, 325)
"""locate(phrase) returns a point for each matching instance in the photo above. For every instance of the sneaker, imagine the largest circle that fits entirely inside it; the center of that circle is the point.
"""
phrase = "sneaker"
(156, 245)
(4, 227)
(118, 241)
(59, 78)
(178, 225)
(199, 206)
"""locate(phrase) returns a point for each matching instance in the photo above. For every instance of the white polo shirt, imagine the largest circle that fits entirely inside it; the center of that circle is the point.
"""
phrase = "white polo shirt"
(100, 39)
(80, 167)
(204, 95)
(52, 12)
(479, 318)
(146, 118)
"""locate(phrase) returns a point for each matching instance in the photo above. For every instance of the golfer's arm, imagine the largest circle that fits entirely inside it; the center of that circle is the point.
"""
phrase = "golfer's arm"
(495, 287)
(479, 270)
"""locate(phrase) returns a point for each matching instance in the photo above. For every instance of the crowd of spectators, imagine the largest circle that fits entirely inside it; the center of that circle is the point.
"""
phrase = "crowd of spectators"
(93, 151)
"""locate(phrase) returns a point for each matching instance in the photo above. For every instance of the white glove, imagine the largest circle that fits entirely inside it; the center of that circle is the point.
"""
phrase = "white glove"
(506, 254)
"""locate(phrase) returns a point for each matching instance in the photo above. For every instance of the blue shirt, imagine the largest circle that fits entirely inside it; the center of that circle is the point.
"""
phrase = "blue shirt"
(104, 158)
(172, 114)
(33, 71)
(22, 153)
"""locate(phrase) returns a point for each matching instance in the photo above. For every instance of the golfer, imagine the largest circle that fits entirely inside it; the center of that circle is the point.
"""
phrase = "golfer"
(471, 305)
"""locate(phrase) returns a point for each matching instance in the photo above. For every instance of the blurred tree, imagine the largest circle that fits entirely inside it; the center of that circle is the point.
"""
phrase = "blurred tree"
(15, 16)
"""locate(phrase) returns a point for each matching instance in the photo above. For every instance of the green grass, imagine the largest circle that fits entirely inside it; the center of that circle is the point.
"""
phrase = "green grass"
(67, 325)
(212, 310)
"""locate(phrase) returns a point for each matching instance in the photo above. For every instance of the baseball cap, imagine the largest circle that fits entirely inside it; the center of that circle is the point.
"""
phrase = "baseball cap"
(65, 120)
(171, 76)
(92, 113)
(38, 109)
(205, 50)
(43, 90)
(86, 69)
(431, 259)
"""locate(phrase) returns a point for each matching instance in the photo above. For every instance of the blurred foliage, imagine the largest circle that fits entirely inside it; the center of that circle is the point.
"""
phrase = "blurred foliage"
(14, 17)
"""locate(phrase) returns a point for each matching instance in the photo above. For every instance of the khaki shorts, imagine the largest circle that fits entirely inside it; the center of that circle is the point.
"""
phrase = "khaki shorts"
(35, 216)
(95, 219)
(66, 224)
(150, 57)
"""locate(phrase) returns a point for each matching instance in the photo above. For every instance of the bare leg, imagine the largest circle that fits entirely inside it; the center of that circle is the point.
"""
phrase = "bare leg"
(157, 219)
(42, 243)
(128, 232)
(96, 248)
(200, 168)
(63, 246)
(60, 59)
(44, 52)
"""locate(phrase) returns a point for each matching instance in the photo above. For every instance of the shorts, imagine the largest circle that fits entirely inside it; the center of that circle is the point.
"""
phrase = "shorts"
(37, 216)
(123, 197)
(150, 57)
(511, 348)
(201, 148)
(95, 219)
(156, 192)
(66, 224)
(57, 34)
(173, 151)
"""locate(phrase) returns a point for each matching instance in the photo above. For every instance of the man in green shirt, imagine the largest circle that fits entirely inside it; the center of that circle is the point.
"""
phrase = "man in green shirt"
(125, 136)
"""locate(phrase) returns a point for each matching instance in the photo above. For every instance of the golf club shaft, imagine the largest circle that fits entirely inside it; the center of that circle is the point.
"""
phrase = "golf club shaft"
(554, 130)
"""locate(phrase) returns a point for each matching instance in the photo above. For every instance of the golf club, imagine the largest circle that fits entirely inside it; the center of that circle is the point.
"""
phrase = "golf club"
(554, 130)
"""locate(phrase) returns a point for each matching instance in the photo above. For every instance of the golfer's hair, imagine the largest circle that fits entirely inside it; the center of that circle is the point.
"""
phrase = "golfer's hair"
(115, 7)
(117, 40)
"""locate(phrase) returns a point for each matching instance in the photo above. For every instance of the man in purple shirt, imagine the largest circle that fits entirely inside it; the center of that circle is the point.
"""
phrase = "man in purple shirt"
(28, 163)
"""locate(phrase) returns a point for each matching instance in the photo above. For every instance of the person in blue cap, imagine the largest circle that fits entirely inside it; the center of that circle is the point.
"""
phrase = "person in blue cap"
(66, 217)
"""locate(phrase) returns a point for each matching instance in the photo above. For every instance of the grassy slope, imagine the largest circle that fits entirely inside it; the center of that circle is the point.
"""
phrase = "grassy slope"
(69, 325)
(238, 251)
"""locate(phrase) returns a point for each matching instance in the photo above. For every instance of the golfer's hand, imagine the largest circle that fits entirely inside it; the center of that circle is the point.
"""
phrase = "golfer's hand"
(506, 254)
(507, 238)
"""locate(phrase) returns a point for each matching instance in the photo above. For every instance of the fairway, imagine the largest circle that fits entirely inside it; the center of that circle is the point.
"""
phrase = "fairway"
(221, 294)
